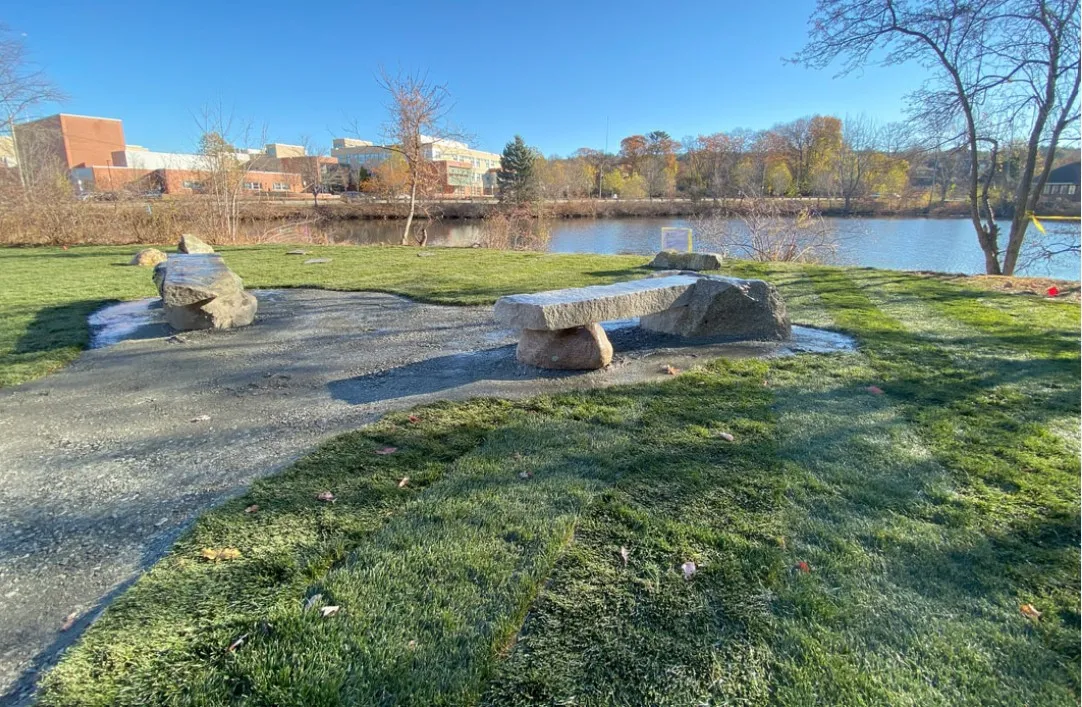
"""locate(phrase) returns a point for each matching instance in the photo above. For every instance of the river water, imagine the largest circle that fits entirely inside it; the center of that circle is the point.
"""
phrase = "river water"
(943, 245)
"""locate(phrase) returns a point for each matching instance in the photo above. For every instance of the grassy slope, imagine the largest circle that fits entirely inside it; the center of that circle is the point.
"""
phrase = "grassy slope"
(926, 515)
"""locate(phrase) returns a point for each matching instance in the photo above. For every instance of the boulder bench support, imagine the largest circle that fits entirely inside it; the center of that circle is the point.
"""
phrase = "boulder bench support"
(200, 292)
(561, 329)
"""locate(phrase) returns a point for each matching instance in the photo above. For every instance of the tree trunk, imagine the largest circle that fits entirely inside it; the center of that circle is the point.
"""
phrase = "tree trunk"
(409, 218)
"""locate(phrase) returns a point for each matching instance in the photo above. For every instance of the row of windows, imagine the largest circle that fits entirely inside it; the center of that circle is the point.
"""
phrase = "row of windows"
(258, 186)
(1060, 189)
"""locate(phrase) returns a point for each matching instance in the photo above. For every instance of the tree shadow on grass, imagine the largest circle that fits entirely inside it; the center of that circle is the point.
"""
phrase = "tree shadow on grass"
(58, 327)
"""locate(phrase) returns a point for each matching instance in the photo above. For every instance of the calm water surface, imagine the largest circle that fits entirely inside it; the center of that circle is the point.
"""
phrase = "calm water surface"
(943, 245)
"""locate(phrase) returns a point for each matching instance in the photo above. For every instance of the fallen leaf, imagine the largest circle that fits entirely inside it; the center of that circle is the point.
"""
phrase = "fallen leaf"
(329, 611)
(412, 645)
(803, 567)
(326, 497)
(874, 390)
(237, 643)
(252, 508)
(670, 370)
(624, 554)
(689, 569)
(404, 480)
(69, 621)
(726, 436)
(226, 553)
(312, 601)
(386, 450)
(1030, 611)
(414, 419)
(525, 475)
(200, 418)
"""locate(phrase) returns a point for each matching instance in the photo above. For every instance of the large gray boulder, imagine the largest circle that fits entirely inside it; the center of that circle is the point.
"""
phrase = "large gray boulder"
(192, 245)
(675, 260)
(200, 292)
(576, 349)
(725, 307)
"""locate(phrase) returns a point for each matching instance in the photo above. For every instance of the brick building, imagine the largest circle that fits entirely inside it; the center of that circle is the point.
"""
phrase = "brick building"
(179, 181)
(71, 140)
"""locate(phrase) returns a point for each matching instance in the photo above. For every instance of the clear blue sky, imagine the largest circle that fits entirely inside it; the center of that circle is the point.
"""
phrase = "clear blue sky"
(551, 71)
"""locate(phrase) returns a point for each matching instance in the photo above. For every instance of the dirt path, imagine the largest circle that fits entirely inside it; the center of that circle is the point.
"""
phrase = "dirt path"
(104, 464)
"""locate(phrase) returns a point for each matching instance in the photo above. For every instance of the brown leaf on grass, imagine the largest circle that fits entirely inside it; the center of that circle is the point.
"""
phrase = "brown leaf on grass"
(803, 567)
(874, 390)
(326, 497)
(624, 554)
(69, 621)
(225, 553)
(1030, 611)
(252, 508)
(725, 436)
(386, 450)
(329, 611)
(689, 568)
(670, 370)
(414, 419)
(403, 481)
(237, 643)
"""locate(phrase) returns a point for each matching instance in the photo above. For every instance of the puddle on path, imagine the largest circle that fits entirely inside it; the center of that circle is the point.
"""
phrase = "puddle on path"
(138, 319)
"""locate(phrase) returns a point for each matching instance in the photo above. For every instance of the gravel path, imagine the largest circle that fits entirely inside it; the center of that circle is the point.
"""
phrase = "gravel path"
(103, 464)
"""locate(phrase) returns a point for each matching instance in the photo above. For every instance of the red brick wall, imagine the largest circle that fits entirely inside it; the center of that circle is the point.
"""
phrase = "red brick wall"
(90, 141)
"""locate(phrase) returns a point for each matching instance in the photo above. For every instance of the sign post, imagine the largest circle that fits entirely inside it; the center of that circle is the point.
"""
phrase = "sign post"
(673, 238)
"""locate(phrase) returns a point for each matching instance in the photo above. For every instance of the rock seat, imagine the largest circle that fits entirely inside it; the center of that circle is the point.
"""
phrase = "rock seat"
(560, 328)
(200, 292)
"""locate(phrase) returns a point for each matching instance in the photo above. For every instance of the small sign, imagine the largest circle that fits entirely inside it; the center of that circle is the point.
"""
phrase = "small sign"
(673, 238)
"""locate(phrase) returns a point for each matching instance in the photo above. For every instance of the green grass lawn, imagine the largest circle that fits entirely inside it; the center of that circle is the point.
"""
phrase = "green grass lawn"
(851, 547)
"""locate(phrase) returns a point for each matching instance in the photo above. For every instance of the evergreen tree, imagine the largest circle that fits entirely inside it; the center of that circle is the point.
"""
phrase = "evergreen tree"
(516, 177)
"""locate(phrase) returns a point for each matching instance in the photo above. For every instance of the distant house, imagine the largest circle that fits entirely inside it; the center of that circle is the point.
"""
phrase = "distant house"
(1065, 181)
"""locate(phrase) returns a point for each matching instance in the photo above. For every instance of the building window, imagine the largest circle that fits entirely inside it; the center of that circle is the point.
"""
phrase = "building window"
(1071, 189)
(190, 184)
(253, 186)
(280, 186)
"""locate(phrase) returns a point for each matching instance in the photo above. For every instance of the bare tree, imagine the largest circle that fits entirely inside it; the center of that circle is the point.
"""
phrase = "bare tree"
(853, 165)
(225, 166)
(418, 114)
(1002, 67)
(23, 86)
(764, 232)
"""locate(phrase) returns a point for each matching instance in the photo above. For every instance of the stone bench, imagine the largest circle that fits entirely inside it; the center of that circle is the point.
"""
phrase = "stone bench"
(561, 328)
(200, 292)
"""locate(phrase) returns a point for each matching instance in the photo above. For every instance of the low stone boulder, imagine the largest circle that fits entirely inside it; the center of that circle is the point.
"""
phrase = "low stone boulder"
(574, 349)
(675, 260)
(192, 245)
(725, 307)
(200, 292)
(148, 258)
